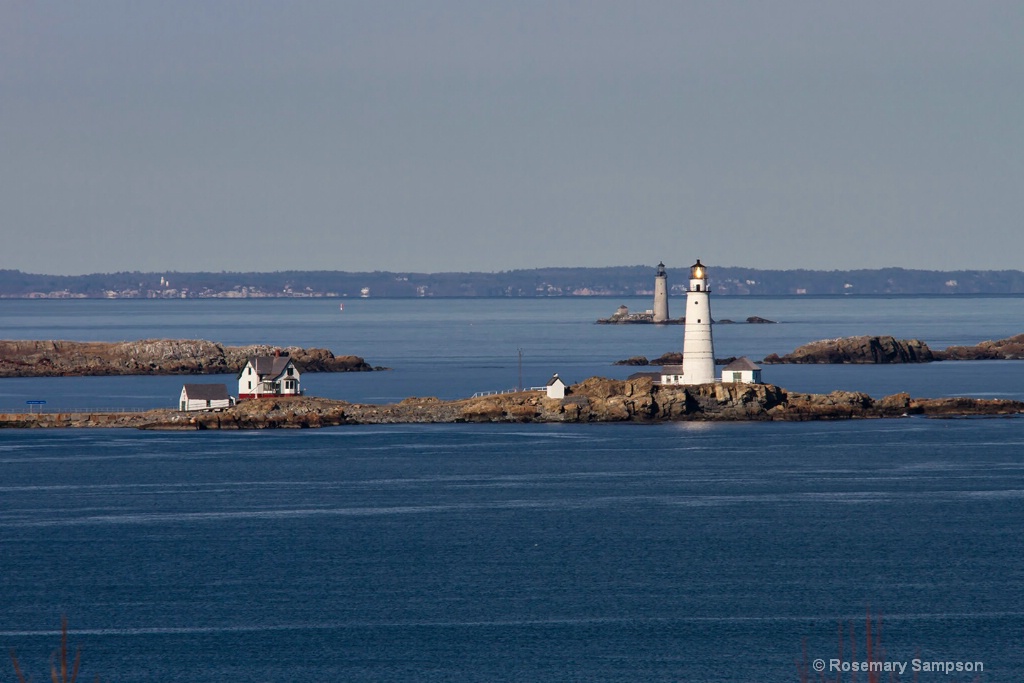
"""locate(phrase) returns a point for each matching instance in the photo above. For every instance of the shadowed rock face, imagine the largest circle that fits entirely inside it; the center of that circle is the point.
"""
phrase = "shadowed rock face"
(594, 400)
(153, 357)
(863, 349)
(890, 350)
(1003, 349)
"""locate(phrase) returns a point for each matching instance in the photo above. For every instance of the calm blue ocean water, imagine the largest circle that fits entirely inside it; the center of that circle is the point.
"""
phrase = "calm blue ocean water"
(451, 348)
(514, 553)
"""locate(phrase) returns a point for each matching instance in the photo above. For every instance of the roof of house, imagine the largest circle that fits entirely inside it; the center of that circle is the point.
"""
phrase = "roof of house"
(671, 369)
(269, 366)
(555, 378)
(739, 364)
(206, 392)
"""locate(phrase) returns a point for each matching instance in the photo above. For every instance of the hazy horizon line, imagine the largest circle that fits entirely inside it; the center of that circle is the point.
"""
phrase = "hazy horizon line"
(513, 270)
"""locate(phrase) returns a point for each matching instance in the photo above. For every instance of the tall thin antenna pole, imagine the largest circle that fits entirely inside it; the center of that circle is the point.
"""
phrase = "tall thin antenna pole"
(520, 385)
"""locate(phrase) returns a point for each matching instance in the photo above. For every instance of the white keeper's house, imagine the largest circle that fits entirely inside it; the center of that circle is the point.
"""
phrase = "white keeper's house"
(204, 397)
(268, 376)
(742, 370)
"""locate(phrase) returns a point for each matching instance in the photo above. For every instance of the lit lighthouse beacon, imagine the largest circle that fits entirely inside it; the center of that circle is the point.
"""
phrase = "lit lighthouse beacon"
(698, 349)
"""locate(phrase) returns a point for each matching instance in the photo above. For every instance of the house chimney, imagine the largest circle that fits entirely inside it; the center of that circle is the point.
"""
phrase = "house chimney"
(277, 353)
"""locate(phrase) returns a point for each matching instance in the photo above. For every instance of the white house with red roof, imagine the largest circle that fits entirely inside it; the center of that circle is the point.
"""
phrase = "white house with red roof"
(268, 376)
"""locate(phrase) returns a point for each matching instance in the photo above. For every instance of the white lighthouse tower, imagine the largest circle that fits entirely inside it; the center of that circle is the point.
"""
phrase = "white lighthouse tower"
(698, 349)
(661, 295)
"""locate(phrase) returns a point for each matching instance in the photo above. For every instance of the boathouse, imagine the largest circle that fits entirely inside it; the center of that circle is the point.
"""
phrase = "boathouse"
(204, 397)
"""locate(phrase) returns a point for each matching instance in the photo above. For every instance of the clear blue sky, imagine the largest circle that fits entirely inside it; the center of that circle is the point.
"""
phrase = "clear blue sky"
(442, 135)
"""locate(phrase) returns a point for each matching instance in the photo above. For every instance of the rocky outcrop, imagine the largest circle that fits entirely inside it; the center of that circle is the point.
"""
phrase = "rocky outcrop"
(594, 400)
(865, 349)
(633, 360)
(154, 357)
(670, 358)
(890, 350)
(622, 316)
(1011, 348)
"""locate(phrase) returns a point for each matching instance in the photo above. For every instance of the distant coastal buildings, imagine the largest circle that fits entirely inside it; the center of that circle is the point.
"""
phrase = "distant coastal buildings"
(631, 281)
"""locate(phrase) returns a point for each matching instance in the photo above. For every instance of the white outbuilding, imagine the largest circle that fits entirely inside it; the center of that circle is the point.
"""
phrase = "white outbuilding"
(204, 397)
(556, 387)
(672, 374)
(742, 370)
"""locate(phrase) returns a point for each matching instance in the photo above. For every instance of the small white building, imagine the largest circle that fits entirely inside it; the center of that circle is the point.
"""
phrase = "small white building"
(204, 397)
(268, 376)
(742, 370)
(556, 387)
(672, 374)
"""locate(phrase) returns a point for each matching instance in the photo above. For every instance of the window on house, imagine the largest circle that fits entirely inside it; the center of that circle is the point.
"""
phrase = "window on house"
(208, 403)
(737, 377)
(290, 371)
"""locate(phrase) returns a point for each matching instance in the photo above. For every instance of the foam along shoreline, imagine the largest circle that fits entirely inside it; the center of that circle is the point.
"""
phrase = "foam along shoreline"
(594, 400)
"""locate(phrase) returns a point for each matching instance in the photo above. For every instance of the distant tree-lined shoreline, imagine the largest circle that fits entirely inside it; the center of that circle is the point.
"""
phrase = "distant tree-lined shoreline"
(537, 282)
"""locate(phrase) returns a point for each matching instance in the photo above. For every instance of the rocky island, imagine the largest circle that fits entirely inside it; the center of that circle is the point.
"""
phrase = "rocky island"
(867, 350)
(622, 316)
(155, 357)
(594, 400)
(887, 349)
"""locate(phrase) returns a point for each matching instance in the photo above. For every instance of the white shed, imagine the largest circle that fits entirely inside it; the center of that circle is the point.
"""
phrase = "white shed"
(204, 397)
(742, 370)
(556, 387)
(672, 374)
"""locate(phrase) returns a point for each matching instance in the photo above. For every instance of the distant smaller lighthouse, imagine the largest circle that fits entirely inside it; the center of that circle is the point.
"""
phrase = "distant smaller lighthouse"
(698, 348)
(661, 295)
